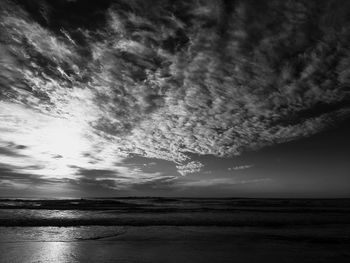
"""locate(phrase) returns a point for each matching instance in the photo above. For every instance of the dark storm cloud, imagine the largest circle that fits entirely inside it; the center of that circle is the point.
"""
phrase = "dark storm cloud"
(163, 80)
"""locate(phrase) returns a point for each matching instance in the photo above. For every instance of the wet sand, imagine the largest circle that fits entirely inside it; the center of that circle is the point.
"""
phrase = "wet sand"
(183, 244)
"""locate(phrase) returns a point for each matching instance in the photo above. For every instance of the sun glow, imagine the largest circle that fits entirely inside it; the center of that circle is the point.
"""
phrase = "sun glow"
(63, 138)
(51, 146)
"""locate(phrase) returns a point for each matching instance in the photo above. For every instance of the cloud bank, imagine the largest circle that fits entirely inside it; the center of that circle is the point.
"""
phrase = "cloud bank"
(85, 85)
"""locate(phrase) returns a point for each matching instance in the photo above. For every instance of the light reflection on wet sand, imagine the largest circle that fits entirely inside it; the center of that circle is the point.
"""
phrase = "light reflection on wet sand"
(53, 252)
(167, 245)
(172, 252)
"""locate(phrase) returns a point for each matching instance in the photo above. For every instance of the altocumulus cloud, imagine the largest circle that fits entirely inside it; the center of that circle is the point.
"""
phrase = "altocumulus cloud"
(85, 85)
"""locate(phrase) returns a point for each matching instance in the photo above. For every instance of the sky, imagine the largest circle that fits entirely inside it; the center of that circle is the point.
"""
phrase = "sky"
(174, 98)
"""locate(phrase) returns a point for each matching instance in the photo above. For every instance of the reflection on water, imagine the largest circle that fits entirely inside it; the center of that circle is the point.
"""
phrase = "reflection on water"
(56, 234)
(31, 214)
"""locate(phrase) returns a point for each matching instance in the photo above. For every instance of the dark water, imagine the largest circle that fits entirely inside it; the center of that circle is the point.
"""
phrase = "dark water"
(175, 230)
(176, 211)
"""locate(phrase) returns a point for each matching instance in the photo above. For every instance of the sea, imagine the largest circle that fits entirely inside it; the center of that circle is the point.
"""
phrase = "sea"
(155, 229)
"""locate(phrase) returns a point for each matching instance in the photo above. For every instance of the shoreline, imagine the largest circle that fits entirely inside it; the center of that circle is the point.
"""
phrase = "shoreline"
(179, 244)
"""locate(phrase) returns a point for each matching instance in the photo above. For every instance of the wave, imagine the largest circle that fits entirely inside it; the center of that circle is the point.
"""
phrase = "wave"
(174, 212)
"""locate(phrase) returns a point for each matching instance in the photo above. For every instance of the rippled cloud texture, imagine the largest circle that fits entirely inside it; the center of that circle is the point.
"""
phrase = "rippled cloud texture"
(86, 84)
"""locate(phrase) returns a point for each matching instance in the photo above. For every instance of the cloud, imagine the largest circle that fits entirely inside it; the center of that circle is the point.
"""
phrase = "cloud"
(20, 180)
(190, 167)
(240, 167)
(165, 81)
(221, 182)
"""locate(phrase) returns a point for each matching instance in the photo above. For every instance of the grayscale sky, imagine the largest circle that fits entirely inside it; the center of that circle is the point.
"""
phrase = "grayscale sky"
(174, 98)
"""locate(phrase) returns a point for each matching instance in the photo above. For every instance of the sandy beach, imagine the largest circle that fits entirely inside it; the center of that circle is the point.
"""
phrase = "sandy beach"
(177, 244)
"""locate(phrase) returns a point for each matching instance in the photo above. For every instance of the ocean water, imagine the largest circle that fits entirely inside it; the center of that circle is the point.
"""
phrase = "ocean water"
(174, 230)
(176, 211)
